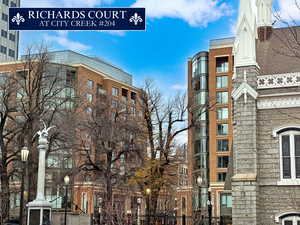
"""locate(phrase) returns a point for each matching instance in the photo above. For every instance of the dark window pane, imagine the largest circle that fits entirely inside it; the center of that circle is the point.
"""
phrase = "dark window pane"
(286, 145)
(297, 162)
(288, 222)
(222, 145)
(221, 177)
(298, 222)
(286, 164)
(222, 161)
(297, 145)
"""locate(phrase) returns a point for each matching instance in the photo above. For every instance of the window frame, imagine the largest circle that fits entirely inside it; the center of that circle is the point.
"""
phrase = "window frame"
(293, 218)
(291, 134)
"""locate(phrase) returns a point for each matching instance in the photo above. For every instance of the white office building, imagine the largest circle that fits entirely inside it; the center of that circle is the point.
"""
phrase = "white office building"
(9, 40)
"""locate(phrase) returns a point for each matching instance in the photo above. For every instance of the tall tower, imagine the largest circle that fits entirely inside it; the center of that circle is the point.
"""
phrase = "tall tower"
(9, 40)
(244, 180)
(264, 19)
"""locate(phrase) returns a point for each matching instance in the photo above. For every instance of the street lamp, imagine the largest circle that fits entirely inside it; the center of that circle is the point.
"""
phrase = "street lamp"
(139, 202)
(24, 158)
(148, 192)
(67, 181)
(100, 210)
(209, 207)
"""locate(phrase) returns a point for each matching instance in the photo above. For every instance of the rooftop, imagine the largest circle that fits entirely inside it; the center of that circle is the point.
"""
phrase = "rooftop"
(69, 57)
(221, 42)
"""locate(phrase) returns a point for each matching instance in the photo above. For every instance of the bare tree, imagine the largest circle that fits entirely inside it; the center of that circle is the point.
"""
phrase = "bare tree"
(111, 145)
(164, 120)
(35, 90)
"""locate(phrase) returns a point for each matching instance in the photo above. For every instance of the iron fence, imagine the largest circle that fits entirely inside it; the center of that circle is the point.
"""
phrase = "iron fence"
(165, 220)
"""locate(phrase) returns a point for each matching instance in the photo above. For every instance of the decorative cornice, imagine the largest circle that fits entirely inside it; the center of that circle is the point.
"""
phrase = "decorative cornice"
(278, 102)
(278, 80)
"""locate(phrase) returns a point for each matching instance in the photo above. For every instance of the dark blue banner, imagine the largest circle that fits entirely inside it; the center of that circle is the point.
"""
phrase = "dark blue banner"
(77, 18)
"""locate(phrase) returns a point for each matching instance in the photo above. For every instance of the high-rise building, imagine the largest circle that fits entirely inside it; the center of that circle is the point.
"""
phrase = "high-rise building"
(210, 141)
(9, 39)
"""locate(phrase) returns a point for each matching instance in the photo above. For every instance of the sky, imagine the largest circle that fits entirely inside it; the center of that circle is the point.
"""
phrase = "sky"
(176, 30)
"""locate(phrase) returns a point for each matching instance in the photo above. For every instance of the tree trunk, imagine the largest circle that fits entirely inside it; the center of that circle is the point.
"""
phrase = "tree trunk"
(5, 195)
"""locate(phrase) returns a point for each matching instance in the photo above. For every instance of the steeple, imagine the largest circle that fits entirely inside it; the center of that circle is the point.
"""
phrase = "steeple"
(264, 13)
(244, 46)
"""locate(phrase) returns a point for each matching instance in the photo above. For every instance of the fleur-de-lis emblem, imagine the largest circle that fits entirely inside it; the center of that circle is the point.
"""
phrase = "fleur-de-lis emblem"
(136, 19)
(18, 19)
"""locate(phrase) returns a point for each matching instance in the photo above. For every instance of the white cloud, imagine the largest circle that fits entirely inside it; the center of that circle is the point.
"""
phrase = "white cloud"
(62, 39)
(120, 33)
(182, 138)
(63, 3)
(194, 12)
(179, 87)
(288, 10)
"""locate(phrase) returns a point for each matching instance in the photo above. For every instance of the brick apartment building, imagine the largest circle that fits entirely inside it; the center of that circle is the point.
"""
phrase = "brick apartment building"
(95, 77)
(210, 75)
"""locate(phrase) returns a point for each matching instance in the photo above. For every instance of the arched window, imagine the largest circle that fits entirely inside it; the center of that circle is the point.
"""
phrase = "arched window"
(291, 220)
(290, 154)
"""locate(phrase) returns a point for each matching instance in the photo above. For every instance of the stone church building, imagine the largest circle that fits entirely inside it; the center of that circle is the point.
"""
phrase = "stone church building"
(266, 119)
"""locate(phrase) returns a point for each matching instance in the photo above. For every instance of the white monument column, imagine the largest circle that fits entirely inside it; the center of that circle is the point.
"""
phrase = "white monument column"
(42, 147)
(39, 210)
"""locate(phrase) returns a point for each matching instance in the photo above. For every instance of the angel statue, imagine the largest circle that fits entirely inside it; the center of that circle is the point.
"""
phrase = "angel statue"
(43, 134)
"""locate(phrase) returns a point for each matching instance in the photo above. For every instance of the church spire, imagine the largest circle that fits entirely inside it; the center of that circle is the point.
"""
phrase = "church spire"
(264, 13)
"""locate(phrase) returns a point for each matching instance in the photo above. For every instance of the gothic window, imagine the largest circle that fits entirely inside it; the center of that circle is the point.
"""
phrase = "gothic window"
(290, 155)
(291, 220)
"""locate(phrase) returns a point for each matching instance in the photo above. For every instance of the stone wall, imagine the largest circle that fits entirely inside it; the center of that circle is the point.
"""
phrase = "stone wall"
(274, 199)
(244, 184)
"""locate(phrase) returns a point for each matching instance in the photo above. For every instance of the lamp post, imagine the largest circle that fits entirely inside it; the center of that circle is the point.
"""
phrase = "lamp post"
(139, 201)
(199, 182)
(67, 181)
(148, 192)
(100, 210)
(24, 158)
(209, 207)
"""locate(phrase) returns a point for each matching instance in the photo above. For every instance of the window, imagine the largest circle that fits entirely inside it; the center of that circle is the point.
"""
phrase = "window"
(222, 64)
(11, 53)
(222, 82)
(290, 155)
(222, 97)
(53, 161)
(115, 91)
(201, 161)
(222, 129)
(3, 49)
(226, 201)
(4, 17)
(100, 89)
(221, 177)
(200, 132)
(12, 4)
(70, 77)
(201, 98)
(89, 97)
(222, 161)
(133, 97)
(12, 37)
(4, 33)
(114, 103)
(200, 146)
(291, 220)
(200, 66)
(90, 84)
(222, 145)
(5, 2)
(124, 94)
(222, 114)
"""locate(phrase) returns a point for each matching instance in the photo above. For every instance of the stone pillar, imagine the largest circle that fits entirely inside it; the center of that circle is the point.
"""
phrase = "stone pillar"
(244, 182)
(39, 210)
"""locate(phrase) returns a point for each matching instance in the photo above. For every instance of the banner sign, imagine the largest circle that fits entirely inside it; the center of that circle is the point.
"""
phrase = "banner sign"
(77, 19)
